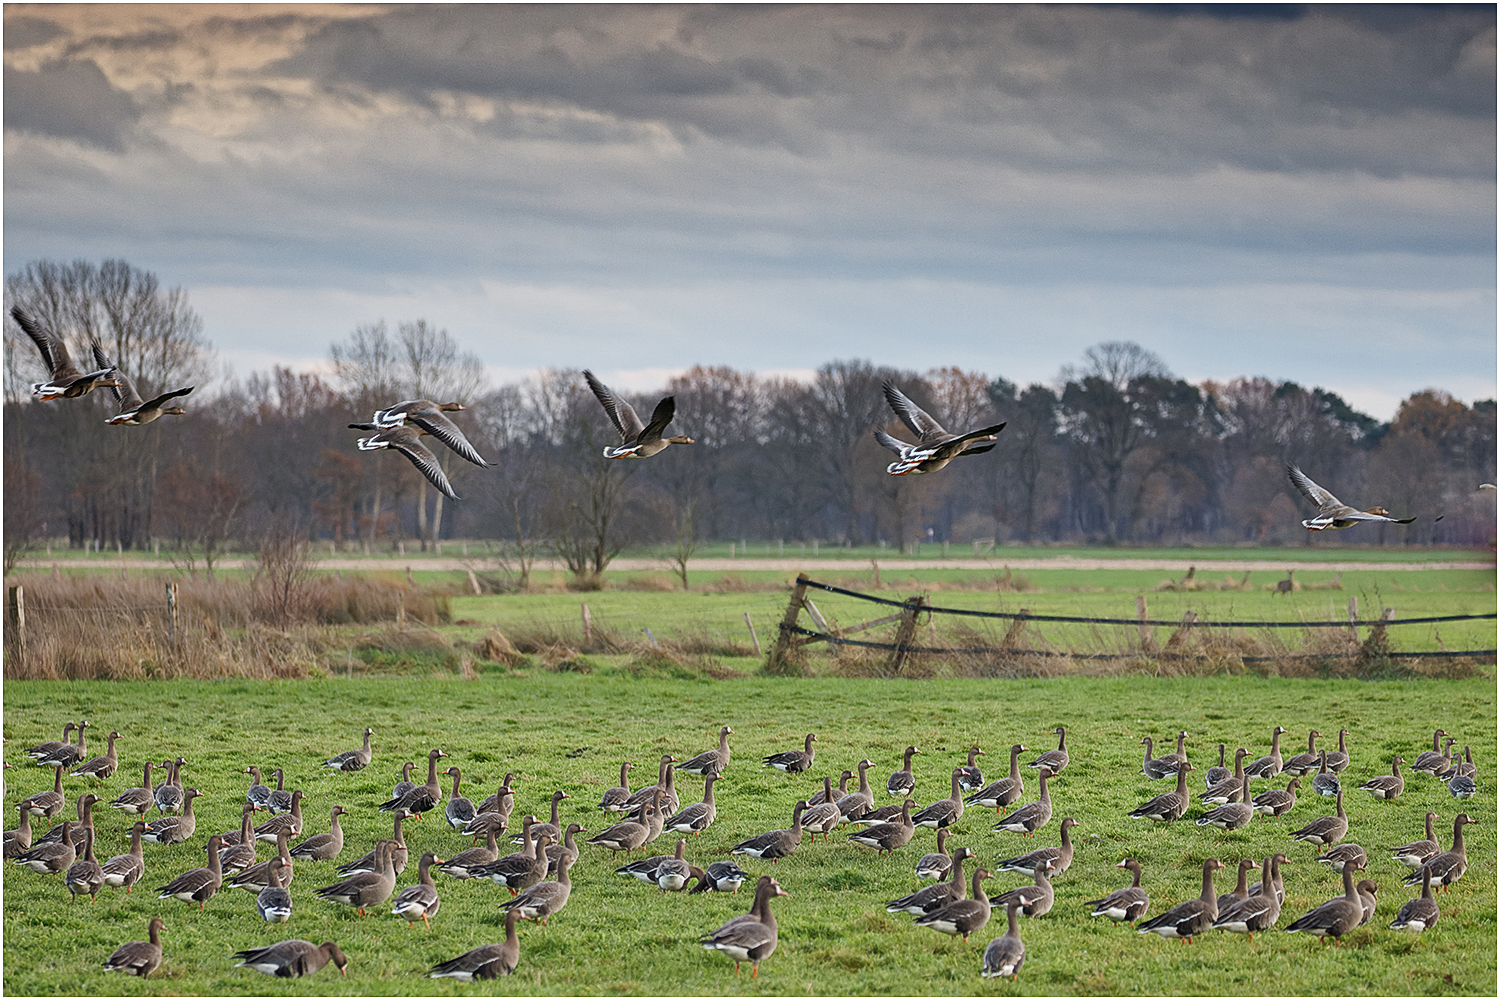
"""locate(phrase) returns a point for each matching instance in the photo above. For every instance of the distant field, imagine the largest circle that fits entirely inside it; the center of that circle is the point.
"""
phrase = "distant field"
(620, 937)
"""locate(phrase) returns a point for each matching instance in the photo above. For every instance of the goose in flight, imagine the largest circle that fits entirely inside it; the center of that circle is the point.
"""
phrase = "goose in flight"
(1333, 512)
(640, 440)
(65, 380)
(428, 416)
(133, 410)
(407, 440)
(935, 446)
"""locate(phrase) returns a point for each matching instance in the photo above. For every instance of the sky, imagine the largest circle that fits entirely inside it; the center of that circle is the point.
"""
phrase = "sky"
(1296, 192)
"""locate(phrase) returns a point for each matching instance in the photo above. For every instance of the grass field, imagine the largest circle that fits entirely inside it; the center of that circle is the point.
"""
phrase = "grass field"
(619, 937)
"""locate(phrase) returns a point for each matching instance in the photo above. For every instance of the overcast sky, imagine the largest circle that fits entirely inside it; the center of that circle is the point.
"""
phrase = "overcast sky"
(1304, 193)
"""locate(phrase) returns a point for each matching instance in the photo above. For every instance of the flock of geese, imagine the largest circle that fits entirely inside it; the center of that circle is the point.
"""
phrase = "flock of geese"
(537, 877)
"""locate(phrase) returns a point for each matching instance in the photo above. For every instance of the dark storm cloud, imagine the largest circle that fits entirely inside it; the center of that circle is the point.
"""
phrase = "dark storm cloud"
(72, 100)
(26, 32)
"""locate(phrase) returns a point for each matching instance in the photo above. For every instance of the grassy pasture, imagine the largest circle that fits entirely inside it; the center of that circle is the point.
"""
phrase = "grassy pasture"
(619, 937)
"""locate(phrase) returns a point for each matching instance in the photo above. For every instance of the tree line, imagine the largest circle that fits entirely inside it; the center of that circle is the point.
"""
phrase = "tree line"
(1117, 450)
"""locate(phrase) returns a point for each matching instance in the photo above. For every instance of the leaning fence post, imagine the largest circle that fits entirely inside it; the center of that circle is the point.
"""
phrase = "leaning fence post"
(1375, 646)
(401, 609)
(1017, 626)
(784, 639)
(1180, 636)
(474, 583)
(754, 639)
(905, 632)
(1148, 644)
(1353, 619)
(172, 615)
(17, 605)
(588, 624)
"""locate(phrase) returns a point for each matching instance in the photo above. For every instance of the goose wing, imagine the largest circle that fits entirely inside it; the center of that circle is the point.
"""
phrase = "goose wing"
(446, 431)
(918, 420)
(660, 418)
(621, 413)
(54, 351)
(125, 393)
(886, 441)
(1326, 502)
(425, 461)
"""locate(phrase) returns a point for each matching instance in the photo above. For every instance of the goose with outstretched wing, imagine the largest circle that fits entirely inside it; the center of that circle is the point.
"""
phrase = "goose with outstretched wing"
(640, 440)
(430, 418)
(1333, 512)
(64, 380)
(133, 410)
(407, 440)
(935, 446)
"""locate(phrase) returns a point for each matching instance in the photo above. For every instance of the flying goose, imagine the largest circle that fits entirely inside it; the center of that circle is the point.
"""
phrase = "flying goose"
(1333, 512)
(408, 441)
(485, 962)
(64, 380)
(639, 440)
(428, 417)
(290, 959)
(1004, 791)
(1128, 904)
(352, 760)
(133, 410)
(935, 446)
(1192, 916)
(139, 957)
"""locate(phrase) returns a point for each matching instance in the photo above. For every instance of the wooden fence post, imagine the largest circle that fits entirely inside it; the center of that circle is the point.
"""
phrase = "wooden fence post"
(1148, 644)
(905, 632)
(1017, 626)
(1374, 647)
(17, 606)
(1353, 618)
(401, 609)
(785, 642)
(474, 583)
(754, 639)
(172, 615)
(1179, 637)
(588, 624)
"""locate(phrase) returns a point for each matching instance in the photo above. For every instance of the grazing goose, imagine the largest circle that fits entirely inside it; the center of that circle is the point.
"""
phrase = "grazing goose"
(280, 800)
(776, 844)
(352, 760)
(138, 957)
(961, 917)
(1325, 782)
(1227, 789)
(103, 766)
(137, 801)
(1268, 766)
(19, 839)
(1128, 904)
(1277, 801)
(420, 900)
(1339, 759)
(568, 848)
(85, 874)
(429, 419)
(1252, 914)
(1277, 885)
(1005, 955)
(274, 902)
(615, 799)
(1054, 760)
(521, 870)
(1192, 916)
(698, 816)
(488, 961)
(289, 821)
(1036, 900)
(1428, 760)
(1218, 772)
(125, 870)
(462, 864)
(973, 777)
(408, 441)
(170, 797)
(200, 884)
(51, 859)
(553, 827)
(135, 411)
(459, 812)
(935, 446)
(546, 899)
(628, 834)
(648, 792)
(1461, 786)
(1333, 512)
(257, 877)
(1418, 914)
(1326, 830)
(398, 853)
(827, 797)
(291, 959)
(1387, 786)
(1241, 888)
(709, 761)
(47, 804)
(639, 440)
(749, 940)
(936, 865)
(1166, 765)
(1168, 806)
(932, 897)
(1304, 763)
(238, 853)
(794, 761)
(405, 784)
(42, 750)
(944, 812)
(258, 795)
(64, 380)
(1060, 858)
(1418, 852)
(174, 829)
(324, 846)
(1231, 815)
(366, 889)
(646, 869)
(721, 876)
(1033, 815)
(854, 805)
(1007, 790)
(903, 783)
(1448, 867)
(1336, 917)
(886, 837)
(424, 797)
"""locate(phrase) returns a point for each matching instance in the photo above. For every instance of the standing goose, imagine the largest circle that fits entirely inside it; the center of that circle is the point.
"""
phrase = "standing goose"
(486, 822)
(258, 876)
(1325, 782)
(352, 760)
(288, 821)
(1428, 759)
(1278, 886)
(553, 827)
(1231, 815)
(1304, 763)
(459, 811)
(1277, 801)
(1461, 767)
(627, 834)
(709, 761)
(903, 783)
(138, 957)
(1036, 900)
(961, 917)
(1060, 858)
(647, 792)
(1007, 790)
(1366, 890)
(485, 962)
(1033, 815)
(1339, 759)
(935, 446)
(1443, 763)
(405, 784)
(937, 865)
(1128, 904)
(933, 897)
(1166, 765)
(775, 844)
(324, 846)
(794, 761)
(64, 380)
(408, 441)
(1228, 789)
(1333, 512)
(429, 417)
(698, 816)
(274, 902)
(200, 884)
(1387, 786)
(42, 750)
(521, 870)
(1054, 760)
(544, 899)
(1168, 806)
(462, 865)
(973, 777)
(124, 870)
(1005, 955)
(280, 800)
(749, 940)
(19, 839)
(886, 837)
(366, 889)
(1336, 917)
(238, 852)
(638, 440)
(137, 801)
(1418, 852)
(854, 805)
(1449, 866)
(1268, 766)
(1252, 914)
(293, 959)
(420, 900)
(944, 812)
(568, 848)
(51, 859)
(721, 876)
(1342, 855)
(170, 797)
(103, 766)
(1418, 914)
(135, 411)
(615, 799)
(47, 804)
(823, 815)
(174, 829)
(1241, 888)
(258, 795)
(85, 874)
(1462, 786)
(424, 797)
(398, 853)
(85, 807)
(828, 797)
(1326, 830)
(1192, 916)
(1218, 772)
